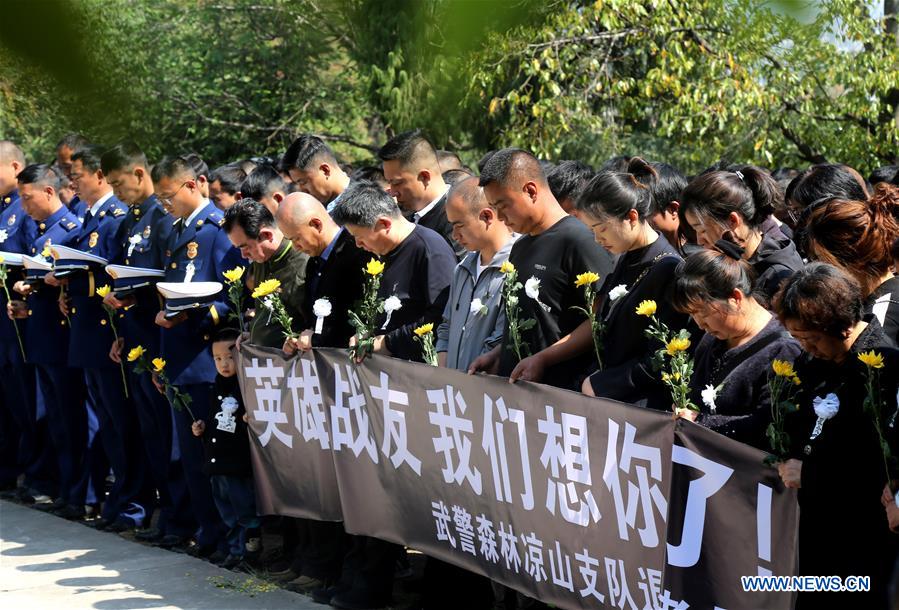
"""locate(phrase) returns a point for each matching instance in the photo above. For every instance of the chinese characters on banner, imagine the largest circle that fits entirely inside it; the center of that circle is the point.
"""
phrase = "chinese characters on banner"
(576, 501)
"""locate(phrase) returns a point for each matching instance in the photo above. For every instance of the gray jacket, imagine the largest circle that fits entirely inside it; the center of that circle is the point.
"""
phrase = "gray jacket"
(464, 335)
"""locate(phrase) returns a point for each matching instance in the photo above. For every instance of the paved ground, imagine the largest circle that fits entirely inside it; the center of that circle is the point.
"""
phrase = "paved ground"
(49, 563)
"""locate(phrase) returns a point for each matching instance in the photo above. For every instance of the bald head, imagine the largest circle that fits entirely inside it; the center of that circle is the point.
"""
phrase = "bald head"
(298, 207)
(306, 223)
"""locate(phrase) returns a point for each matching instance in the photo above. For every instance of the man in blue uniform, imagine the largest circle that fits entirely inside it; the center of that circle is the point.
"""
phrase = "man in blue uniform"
(67, 147)
(197, 250)
(47, 332)
(19, 446)
(141, 241)
(92, 334)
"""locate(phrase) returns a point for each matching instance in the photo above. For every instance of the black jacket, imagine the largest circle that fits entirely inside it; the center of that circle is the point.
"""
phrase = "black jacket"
(628, 373)
(883, 304)
(773, 262)
(436, 220)
(226, 452)
(843, 528)
(340, 279)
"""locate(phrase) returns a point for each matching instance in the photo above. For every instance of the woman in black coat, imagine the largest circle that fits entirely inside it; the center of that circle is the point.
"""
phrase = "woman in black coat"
(837, 463)
(736, 206)
(732, 363)
(616, 207)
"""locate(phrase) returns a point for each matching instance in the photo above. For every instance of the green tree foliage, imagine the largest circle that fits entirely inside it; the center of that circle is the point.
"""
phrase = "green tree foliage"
(691, 81)
(787, 82)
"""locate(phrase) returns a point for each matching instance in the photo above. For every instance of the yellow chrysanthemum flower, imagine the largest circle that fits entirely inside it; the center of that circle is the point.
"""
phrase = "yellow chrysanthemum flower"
(424, 329)
(585, 279)
(136, 353)
(266, 288)
(102, 291)
(374, 267)
(782, 368)
(646, 308)
(796, 380)
(158, 365)
(233, 276)
(677, 345)
(872, 359)
(507, 267)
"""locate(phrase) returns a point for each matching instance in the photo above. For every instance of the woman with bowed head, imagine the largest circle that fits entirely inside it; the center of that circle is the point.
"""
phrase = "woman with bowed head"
(834, 439)
(732, 362)
(616, 207)
(857, 237)
(735, 206)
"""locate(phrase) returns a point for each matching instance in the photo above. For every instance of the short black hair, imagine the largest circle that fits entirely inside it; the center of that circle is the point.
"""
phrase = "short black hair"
(372, 173)
(306, 150)
(482, 162)
(449, 160)
(362, 203)
(568, 179)
(409, 147)
(40, 174)
(230, 177)
(264, 181)
(509, 162)
(227, 333)
(171, 167)
(196, 161)
(616, 164)
(826, 180)
(89, 156)
(665, 182)
(122, 156)
(883, 174)
(452, 176)
(249, 215)
(73, 141)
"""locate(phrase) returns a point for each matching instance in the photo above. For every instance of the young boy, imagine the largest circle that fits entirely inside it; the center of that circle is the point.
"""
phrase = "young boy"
(227, 455)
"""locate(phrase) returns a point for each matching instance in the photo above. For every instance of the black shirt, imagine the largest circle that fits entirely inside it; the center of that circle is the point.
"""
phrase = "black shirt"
(226, 444)
(418, 272)
(556, 257)
(339, 278)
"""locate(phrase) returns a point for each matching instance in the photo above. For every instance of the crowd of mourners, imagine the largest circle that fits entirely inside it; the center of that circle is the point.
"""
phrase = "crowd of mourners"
(760, 304)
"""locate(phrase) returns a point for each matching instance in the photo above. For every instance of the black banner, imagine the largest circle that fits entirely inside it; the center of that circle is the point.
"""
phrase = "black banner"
(577, 501)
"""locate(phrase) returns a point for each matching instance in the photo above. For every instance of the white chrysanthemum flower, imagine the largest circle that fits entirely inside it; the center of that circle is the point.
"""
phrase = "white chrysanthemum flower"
(617, 292)
(709, 394)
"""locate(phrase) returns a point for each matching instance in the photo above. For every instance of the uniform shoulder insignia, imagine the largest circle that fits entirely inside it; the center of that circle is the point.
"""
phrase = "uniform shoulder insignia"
(220, 222)
(117, 212)
(69, 225)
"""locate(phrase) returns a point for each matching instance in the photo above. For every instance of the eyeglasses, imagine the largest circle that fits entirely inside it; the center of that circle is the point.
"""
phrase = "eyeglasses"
(168, 200)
